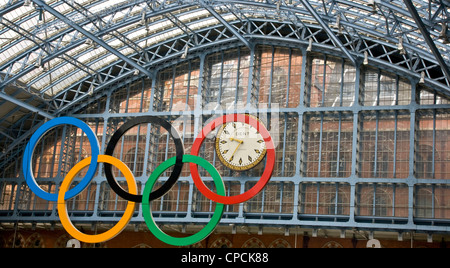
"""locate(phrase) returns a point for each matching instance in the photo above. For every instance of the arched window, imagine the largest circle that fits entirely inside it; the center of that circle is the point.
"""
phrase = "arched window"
(222, 243)
(253, 243)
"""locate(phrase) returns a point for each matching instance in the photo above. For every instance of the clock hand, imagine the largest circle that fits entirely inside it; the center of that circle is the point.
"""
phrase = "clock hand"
(231, 158)
(233, 139)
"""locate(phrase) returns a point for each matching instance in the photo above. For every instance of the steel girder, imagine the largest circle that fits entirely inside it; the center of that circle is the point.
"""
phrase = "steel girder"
(58, 53)
(25, 105)
(327, 29)
(225, 23)
(175, 53)
(91, 36)
(353, 29)
(427, 37)
(290, 14)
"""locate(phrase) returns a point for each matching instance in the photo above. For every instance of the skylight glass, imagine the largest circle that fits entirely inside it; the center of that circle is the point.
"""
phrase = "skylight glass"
(19, 51)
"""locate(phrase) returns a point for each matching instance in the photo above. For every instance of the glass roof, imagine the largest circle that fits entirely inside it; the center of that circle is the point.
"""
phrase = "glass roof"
(49, 56)
(48, 64)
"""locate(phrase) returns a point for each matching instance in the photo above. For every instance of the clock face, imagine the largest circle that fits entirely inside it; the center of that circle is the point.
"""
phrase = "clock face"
(240, 146)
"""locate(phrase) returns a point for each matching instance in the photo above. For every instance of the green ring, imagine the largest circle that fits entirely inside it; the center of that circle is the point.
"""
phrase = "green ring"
(208, 229)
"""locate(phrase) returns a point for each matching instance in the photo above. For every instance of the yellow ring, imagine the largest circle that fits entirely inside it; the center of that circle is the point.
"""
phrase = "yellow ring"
(62, 206)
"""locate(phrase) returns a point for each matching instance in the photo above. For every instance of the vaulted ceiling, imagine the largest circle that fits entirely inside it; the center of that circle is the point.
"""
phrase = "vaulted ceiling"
(55, 54)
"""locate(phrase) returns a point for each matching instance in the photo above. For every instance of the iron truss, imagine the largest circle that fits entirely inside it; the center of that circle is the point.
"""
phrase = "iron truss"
(58, 56)
(384, 30)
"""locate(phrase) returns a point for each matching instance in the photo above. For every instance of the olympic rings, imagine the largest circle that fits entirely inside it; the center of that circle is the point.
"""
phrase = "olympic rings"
(28, 155)
(62, 206)
(208, 229)
(179, 148)
(132, 196)
(267, 174)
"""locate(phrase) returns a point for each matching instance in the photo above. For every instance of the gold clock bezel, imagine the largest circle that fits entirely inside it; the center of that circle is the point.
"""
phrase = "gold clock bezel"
(233, 167)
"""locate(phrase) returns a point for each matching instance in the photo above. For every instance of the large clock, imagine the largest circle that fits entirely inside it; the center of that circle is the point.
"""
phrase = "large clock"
(240, 146)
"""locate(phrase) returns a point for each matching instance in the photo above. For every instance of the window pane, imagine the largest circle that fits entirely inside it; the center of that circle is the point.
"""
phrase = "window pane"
(327, 148)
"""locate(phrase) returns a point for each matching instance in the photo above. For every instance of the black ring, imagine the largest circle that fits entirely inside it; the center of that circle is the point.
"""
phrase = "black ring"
(176, 172)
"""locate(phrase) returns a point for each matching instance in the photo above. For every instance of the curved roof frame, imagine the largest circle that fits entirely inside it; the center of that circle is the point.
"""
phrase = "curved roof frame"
(295, 14)
(155, 34)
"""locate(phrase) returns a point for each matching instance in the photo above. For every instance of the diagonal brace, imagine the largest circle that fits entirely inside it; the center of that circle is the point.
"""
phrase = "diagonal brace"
(225, 23)
(427, 37)
(25, 105)
(327, 29)
(91, 36)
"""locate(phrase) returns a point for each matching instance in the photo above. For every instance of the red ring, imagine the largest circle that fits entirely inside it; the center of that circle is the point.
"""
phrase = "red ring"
(267, 174)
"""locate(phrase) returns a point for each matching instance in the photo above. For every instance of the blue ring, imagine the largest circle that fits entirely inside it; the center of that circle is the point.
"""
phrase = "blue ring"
(28, 155)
